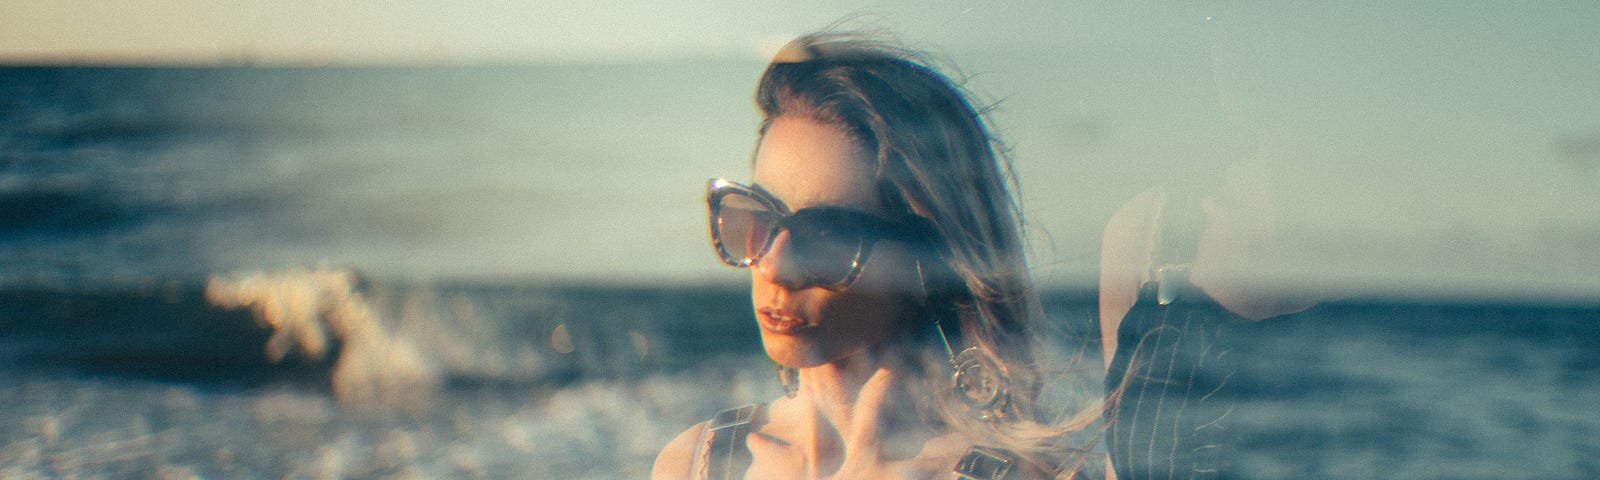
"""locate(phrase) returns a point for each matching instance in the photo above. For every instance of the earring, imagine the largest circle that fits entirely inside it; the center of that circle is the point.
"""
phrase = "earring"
(978, 380)
(790, 379)
(981, 384)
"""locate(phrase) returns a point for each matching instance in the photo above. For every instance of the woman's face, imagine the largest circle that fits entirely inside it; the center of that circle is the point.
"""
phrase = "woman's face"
(805, 164)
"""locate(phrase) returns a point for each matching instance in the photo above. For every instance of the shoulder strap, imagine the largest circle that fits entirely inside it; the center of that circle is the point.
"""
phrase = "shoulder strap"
(984, 463)
(722, 452)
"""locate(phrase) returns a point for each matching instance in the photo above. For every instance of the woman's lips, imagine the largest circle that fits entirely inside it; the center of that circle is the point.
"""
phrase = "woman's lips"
(779, 321)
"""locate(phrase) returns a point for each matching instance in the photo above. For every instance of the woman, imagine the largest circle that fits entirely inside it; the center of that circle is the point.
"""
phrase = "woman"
(888, 282)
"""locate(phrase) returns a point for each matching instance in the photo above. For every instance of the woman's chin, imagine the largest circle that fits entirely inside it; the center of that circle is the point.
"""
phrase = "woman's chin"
(795, 352)
(792, 359)
(792, 352)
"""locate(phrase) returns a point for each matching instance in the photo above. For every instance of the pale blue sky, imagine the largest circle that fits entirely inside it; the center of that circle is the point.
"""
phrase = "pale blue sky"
(564, 31)
(1426, 145)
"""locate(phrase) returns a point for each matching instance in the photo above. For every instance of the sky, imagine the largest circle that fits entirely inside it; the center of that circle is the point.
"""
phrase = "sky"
(1400, 144)
(492, 30)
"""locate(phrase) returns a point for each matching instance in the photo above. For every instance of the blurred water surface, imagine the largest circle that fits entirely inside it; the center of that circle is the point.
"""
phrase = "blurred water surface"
(121, 175)
(589, 382)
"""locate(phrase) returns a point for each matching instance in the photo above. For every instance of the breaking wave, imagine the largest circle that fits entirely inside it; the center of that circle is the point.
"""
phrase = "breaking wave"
(319, 313)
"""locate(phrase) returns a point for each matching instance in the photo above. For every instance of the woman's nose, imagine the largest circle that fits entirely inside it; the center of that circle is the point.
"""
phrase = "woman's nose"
(779, 266)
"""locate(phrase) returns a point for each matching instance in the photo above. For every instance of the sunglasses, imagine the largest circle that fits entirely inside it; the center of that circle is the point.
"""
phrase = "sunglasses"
(828, 244)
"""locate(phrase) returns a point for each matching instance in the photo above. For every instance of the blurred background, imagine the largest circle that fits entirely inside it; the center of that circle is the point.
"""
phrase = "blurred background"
(1420, 147)
(503, 201)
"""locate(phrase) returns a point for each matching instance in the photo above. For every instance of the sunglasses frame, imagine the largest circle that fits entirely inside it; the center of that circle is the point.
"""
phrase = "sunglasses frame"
(872, 229)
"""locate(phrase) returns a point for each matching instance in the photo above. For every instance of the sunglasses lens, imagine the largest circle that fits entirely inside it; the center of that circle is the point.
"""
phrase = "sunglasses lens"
(825, 243)
(827, 249)
(743, 225)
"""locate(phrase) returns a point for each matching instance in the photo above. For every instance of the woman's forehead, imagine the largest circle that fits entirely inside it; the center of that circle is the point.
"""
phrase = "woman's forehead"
(806, 163)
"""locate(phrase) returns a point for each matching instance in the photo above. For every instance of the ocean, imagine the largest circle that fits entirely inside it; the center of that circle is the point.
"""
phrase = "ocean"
(276, 272)
(495, 380)
(123, 174)
(484, 381)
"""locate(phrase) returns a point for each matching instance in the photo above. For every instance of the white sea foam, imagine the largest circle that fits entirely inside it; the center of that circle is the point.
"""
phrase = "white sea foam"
(310, 309)
(93, 428)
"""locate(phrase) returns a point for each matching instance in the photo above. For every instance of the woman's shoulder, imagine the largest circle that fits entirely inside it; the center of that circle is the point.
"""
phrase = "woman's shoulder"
(1125, 257)
(677, 458)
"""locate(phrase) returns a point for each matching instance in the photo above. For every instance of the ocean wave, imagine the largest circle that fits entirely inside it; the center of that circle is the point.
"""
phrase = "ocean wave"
(392, 343)
(310, 310)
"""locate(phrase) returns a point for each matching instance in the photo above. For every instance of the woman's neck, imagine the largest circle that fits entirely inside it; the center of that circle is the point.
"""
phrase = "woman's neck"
(857, 409)
(848, 393)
